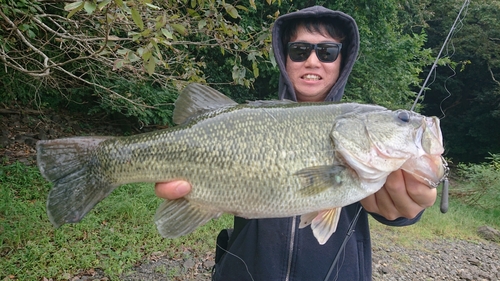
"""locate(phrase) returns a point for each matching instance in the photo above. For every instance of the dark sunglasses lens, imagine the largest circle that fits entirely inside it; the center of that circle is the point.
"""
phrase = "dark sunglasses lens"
(299, 51)
(327, 53)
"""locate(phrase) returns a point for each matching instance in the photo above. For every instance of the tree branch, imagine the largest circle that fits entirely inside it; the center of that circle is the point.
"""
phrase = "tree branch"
(492, 75)
(46, 60)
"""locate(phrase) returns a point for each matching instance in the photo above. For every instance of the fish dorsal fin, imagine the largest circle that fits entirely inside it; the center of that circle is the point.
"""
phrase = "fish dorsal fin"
(269, 103)
(197, 99)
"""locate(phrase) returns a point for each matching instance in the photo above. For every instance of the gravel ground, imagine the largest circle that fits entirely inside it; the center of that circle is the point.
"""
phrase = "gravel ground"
(439, 259)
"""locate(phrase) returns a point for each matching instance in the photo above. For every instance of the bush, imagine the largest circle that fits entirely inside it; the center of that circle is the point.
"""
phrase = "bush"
(480, 185)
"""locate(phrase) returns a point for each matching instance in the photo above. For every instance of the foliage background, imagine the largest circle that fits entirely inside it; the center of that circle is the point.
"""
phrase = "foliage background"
(131, 58)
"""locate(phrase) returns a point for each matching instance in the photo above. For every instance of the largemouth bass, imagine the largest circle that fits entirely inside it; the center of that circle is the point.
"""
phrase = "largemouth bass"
(258, 160)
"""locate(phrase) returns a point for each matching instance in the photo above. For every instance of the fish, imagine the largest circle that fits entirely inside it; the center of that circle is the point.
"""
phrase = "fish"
(260, 159)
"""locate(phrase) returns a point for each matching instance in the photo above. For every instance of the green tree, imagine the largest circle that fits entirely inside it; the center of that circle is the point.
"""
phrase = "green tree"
(99, 46)
(93, 51)
(466, 92)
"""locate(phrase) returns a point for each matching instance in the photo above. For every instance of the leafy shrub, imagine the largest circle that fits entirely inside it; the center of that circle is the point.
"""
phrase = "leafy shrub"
(480, 184)
(152, 104)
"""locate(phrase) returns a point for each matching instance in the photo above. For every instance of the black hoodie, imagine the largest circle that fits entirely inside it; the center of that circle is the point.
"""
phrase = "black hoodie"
(276, 249)
(350, 48)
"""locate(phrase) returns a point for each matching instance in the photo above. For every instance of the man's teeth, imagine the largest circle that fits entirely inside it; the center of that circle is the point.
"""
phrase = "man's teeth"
(311, 77)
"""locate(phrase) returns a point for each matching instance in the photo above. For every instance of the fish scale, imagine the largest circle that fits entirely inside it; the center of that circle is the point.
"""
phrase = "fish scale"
(189, 154)
(259, 160)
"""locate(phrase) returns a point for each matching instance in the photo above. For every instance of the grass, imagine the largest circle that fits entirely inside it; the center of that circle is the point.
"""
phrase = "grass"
(114, 236)
(460, 222)
(119, 232)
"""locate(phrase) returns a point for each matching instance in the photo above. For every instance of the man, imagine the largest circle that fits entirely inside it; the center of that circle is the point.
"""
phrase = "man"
(315, 49)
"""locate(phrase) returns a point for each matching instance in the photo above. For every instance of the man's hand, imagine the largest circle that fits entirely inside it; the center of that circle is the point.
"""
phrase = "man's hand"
(401, 196)
(173, 189)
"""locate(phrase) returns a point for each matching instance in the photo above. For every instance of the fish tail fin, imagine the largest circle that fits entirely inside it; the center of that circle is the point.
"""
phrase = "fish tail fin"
(74, 170)
(178, 217)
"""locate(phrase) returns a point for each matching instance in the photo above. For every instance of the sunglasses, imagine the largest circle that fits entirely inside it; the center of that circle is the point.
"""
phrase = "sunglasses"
(326, 52)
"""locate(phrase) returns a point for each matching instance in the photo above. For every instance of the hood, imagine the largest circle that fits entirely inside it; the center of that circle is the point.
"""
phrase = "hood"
(350, 48)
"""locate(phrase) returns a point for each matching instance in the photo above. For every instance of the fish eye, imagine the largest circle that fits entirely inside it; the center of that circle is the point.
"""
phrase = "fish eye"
(404, 116)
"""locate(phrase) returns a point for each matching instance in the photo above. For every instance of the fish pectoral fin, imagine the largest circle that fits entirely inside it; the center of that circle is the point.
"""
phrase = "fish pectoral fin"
(325, 224)
(306, 219)
(175, 218)
(319, 178)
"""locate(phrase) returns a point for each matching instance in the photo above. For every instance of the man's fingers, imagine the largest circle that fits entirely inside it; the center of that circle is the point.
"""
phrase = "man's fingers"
(172, 190)
(409, 195)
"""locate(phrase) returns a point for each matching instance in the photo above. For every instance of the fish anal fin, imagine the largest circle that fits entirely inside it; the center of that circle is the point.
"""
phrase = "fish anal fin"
(197, 99)
(325, 224)
(306, 219)
(175, 218)
(319, 178)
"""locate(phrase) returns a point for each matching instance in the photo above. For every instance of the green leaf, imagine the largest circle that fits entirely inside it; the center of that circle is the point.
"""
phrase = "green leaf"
(272, 59)
(255, 68)
(140, 51)
(179, 28)
(137, 18)
(147, 55)
(132, 57)
(24, 27)
(155, 45)
(146, 32)
(119, 3)
(89, 7)
(242, 8)
(103, 4)
(135, 35)
(123, 51)
(72, 6)
(193, 13)
(202, 24)
(150, 66)
(252, 4)
(118, 64)
(231, 10)
(154, 7)
(31, 34)
(167, 33)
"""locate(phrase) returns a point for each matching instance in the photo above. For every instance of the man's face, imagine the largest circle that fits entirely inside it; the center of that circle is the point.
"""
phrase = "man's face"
(312, 79)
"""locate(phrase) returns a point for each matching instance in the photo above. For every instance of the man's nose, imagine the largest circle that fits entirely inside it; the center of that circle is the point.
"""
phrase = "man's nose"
(312, 60)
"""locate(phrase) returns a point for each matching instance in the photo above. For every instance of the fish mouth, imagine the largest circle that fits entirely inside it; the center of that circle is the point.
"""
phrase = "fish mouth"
(429, 166)
(430, 170)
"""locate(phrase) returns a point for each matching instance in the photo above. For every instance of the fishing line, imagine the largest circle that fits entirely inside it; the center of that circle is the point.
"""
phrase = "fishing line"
(452, 32)
(236, 256)
(445, 44)
(339, 266)
(350, 231)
